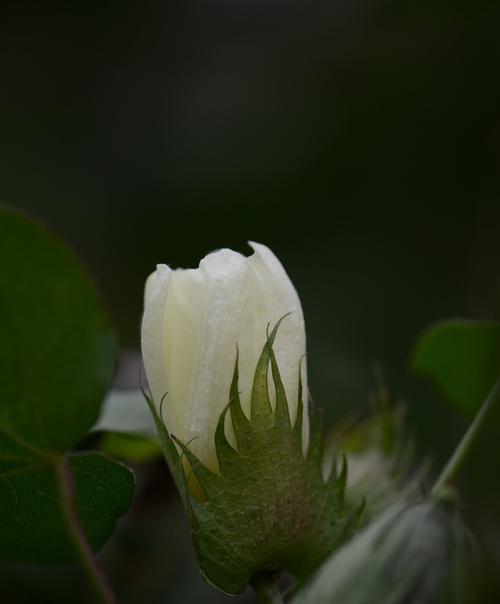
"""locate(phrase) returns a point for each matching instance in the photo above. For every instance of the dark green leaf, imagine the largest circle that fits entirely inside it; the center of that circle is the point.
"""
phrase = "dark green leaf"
(57, 345)
(462, 357)
(31, 523)
(57, 355)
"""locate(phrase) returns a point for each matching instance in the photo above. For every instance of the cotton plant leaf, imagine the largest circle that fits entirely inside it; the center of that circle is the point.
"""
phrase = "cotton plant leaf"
(58, 348)
(268, 508)
(462, 358)
(58, 352)
(31, 520)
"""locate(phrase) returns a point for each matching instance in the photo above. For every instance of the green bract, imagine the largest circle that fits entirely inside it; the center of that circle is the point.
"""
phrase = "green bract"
(269, 508)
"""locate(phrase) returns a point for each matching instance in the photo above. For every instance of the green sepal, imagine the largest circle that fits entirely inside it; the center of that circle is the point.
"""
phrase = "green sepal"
(269, 507)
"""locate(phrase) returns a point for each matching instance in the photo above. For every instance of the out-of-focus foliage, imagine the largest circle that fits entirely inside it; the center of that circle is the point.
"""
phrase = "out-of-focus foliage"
(410, 554)
(462, 357)
(128, 428)
(126, 412)
(31, 528)
(57, 354)
(380, 454)
(130, 447)
(58, 347)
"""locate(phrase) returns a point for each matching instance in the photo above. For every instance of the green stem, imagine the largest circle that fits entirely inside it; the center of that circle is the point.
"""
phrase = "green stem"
(458, 457)
(266, 589)
(67, 494)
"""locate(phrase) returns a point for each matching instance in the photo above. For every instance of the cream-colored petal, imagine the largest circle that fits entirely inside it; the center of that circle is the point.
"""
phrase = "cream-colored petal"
(155, 296)
(207, 310)
(193, 321)
(278, 297)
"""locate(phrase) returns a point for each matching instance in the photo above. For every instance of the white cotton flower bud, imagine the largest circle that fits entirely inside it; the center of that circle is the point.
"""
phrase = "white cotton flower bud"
(194, 320)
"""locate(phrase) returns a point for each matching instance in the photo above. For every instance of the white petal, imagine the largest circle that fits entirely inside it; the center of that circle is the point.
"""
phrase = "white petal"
(191, 331)
(279, 297)
(205, 318)
(155, 296)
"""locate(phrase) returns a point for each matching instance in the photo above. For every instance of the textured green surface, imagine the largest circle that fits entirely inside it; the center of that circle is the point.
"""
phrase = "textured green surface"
(269, 507)
(462, 357)
(57, 356)
(32, 528)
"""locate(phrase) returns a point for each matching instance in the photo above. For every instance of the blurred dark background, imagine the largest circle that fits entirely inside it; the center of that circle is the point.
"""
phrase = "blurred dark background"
(359, 139)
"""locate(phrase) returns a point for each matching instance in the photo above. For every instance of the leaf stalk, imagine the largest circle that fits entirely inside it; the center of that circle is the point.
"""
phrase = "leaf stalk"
(457, 459)
(67, 494)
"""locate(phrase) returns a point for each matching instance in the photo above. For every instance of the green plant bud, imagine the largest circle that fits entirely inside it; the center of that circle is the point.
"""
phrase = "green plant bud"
(194, 319)
(419, 553)
(245, 456)
(269, 508)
